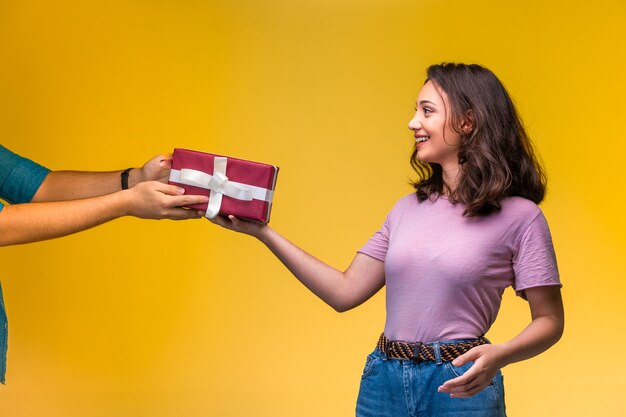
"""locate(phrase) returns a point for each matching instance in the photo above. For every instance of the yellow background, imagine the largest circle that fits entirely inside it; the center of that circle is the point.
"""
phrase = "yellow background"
(147, 318)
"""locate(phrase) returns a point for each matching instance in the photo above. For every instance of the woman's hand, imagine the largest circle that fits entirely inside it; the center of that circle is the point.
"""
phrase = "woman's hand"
(488, 359)
(242, 226)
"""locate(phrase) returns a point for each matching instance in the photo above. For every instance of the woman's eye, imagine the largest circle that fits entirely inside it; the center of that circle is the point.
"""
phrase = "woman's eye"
(427, 110)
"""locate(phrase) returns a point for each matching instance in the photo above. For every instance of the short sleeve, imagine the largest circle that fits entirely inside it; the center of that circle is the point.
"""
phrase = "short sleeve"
(534, 263)
(20, 178)
(378, 244)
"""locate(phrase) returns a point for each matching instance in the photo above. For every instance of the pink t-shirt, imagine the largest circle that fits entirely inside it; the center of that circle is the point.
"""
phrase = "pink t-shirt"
(445, 273)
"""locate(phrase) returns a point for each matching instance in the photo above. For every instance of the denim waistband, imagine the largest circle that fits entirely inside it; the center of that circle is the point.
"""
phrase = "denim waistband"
(440, 351)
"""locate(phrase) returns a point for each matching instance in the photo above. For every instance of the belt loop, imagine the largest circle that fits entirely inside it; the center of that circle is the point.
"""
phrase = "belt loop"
(386, 349)
(384, 346)
(416, 348)
(437, 353)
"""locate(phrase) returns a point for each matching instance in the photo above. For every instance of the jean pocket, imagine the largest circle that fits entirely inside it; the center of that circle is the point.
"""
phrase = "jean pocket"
(371, 360)
(456, 371)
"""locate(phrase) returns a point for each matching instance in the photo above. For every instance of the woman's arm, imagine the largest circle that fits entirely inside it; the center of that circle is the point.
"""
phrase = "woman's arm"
(341, 290)
(31, 222)
(73, 185)
(545, 329)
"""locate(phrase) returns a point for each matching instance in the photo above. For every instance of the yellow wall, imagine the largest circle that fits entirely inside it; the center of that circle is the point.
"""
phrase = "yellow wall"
(146, 318)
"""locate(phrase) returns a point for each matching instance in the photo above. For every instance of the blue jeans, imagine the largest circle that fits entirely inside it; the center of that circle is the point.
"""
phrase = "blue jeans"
(397, 387)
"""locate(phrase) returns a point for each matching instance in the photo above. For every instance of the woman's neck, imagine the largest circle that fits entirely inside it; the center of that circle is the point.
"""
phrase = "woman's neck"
(450, 176)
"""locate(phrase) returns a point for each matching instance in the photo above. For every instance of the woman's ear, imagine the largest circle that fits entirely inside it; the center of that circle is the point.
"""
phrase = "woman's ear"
(467, 125)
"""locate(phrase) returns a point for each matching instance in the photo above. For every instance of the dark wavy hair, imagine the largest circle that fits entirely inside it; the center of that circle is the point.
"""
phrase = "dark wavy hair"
(496, 155)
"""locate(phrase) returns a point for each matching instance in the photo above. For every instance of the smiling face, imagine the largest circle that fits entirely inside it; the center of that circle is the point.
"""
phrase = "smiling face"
(435, 140)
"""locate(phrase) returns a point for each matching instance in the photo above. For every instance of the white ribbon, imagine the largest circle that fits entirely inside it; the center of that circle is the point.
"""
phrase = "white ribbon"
(220, 185)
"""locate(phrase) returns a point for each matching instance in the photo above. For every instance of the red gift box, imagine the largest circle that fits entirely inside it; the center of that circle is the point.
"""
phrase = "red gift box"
(242, 188)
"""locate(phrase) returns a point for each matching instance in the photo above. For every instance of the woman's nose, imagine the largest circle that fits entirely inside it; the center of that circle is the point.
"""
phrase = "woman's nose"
(414, 123)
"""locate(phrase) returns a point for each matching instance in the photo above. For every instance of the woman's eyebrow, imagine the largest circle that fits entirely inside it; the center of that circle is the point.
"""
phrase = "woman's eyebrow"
(422, 102)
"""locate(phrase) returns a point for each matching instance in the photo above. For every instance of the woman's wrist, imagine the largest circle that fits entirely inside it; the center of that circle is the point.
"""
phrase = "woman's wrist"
(504, 354)
(263, 234)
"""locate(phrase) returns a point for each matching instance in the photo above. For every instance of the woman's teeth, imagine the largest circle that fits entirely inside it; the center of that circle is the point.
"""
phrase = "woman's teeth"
(422, 139)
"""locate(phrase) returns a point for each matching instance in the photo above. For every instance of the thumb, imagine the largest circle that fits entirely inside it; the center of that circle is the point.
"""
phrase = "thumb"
(469, 356)
(165, 160)
(235, 221)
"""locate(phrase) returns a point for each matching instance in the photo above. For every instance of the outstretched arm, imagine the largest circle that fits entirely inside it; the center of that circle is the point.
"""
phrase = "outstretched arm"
(73, 185)
(31, 222)
(341, 290)
(545, 329)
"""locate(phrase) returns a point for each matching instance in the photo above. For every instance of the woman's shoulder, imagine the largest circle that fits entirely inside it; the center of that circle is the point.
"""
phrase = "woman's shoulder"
(520, 207)
(410, 205)
(520, 203)
(402, 204)
(410, 202)
(409, 199)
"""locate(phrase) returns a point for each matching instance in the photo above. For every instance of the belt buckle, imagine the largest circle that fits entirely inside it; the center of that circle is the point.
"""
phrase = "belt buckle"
(416, 352)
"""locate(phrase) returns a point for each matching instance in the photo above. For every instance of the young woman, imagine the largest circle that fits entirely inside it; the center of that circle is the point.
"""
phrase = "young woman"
(446, 253)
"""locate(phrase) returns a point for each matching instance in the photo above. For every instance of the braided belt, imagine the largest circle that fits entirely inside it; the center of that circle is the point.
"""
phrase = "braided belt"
(419, 352)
